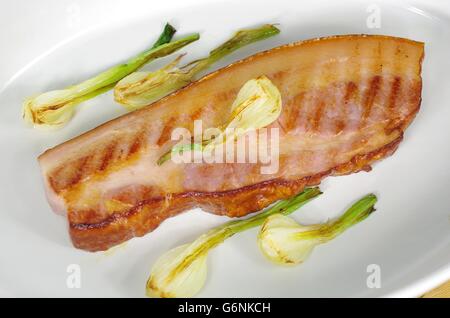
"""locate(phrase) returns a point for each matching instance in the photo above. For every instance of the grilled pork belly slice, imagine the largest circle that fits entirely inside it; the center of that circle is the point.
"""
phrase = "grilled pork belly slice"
(346, 103)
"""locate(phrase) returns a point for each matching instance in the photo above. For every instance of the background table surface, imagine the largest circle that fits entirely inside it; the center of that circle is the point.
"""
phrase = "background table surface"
(442, 291)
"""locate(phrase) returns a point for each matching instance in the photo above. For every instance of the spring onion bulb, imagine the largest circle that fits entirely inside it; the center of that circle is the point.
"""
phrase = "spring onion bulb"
(284, 241)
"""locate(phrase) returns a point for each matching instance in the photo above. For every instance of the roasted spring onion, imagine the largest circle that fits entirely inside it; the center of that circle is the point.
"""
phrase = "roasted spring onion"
(182, 271)
(284, 241)
(257, 105)
(142, 88)
(55, 108)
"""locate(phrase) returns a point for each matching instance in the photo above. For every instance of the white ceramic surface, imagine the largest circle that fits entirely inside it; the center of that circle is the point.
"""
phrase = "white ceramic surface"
(49, 44)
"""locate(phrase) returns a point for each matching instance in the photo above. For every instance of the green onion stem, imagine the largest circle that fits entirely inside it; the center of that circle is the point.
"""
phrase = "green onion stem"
(116, 73)
(239, 40)
(216, 236)
(107, 79)
(355, 214)
(166, 36)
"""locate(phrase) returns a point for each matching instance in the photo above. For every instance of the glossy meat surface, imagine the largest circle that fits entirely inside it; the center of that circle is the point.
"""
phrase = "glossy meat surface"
(346, 103)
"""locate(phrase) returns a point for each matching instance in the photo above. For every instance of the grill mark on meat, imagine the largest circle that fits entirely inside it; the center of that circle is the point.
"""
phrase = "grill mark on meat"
(376, 89)
(196, 114)
(340, 125)
(69, 174)
(56, 178)
(108, 155)
(79, 170)
(369, 97)
(54, 184)
(398, 89)
(352, 93)
(291, 112)
(394, 93)
(350, 90)
(137, 143)
(318, 115)
(167, 131)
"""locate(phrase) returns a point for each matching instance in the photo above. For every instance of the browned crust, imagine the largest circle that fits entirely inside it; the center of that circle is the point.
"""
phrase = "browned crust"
(148, 214)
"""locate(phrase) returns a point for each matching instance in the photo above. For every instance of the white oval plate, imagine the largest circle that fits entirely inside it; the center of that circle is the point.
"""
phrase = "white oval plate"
(48, 45)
